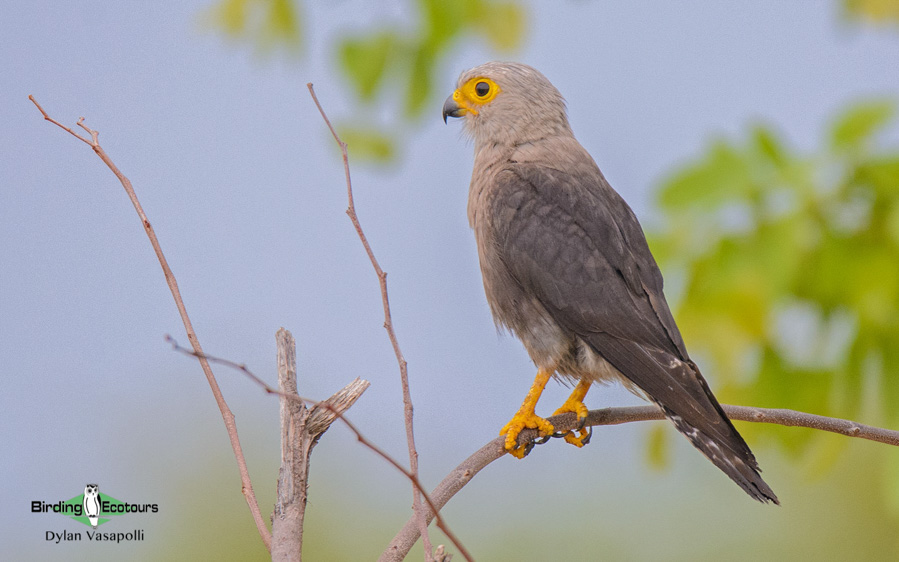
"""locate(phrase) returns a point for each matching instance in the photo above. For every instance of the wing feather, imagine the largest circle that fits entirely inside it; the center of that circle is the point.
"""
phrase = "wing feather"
(571, 241)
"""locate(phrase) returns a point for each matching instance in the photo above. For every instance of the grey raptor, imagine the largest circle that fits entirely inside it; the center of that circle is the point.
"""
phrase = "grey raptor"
(567, 269)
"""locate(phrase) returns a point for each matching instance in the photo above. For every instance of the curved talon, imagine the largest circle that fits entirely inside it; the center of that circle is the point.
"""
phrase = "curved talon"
(579, 440)
(575, 404)
(521, 420)
(581, 422)
(582, 438)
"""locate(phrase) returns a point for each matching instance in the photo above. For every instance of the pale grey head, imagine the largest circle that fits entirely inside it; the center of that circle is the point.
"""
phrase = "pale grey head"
(507, 103)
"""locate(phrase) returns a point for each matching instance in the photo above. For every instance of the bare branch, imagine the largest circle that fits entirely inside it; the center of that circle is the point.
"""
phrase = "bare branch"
(332, 405)
(296, 447)
(322, 414)
(388, 325)
(227, 416)
(301, 428)
(63, 127)
(462, 474)
(792, 418)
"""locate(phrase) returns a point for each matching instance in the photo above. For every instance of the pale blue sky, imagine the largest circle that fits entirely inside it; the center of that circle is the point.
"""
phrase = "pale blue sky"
(244, 187)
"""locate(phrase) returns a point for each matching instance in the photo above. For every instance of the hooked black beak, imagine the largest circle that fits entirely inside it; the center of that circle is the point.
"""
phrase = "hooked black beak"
(452, 109)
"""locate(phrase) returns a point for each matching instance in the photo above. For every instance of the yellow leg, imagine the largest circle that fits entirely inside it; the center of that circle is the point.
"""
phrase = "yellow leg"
(575, 403)
(525, 417)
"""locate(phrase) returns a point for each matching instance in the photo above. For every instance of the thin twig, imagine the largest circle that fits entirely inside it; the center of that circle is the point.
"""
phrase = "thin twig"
(388, 325)
(337, 412)
(462, 474)
(227, 416)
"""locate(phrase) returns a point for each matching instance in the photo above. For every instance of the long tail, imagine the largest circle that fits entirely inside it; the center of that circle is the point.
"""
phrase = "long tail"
(732, 455)
(680, 390)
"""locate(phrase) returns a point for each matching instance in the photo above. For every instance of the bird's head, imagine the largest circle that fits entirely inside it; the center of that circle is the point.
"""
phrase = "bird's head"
(507, 104)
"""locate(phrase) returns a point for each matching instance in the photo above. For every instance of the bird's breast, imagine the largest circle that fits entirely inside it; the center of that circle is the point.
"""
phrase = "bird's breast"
(513, 309)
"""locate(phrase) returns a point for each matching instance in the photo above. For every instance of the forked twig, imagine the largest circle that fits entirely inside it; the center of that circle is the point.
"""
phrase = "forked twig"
(301, 429)
(388, 325)
(326, 405)
(227, 416)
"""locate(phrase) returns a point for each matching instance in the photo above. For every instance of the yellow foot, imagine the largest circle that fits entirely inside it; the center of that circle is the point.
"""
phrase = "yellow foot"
(525, 417)
(521, 420)
(575, 403)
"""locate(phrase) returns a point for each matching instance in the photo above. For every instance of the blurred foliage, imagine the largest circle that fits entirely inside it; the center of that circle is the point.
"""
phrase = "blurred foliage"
(876, 11)
(368, 144)
(658, 449)
(267, 24)
(391, 66)
(410, 57)
(783, 271)
(400, 64)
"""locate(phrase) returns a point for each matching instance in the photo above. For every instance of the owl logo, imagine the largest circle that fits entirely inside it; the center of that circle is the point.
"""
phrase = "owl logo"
(92, 503)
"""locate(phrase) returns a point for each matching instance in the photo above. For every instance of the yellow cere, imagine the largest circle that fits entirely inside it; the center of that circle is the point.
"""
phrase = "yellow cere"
(475, 93)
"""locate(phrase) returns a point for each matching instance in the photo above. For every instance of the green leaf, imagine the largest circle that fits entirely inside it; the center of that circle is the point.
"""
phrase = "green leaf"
(824, 272)
(892, 224)
(364, 60)
(281, 23)
(779, 386)
(443, 20)
(859, 123)
(889, 392)
(871, 276)
(876, 11)
(822, 454)
(418, 92)
(778, 250)
(724, 175)
(504, 25)
(267, 23)
(891, 481)
(768, 145)
(367, 144)
(229, 15)
(882, 174)
(658, 446)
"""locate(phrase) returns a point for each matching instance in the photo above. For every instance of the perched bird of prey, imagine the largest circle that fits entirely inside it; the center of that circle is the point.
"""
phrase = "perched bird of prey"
(567, 269)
